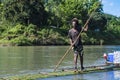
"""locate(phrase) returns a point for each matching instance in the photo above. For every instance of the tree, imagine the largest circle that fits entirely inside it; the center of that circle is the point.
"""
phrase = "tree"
(1, 8)
(64, 10)
(98, 22)
(113, 25)
(25, 12)
(51, 6)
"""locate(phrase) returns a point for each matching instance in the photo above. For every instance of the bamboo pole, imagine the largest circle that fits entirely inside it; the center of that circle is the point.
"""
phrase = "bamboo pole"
(60, 61)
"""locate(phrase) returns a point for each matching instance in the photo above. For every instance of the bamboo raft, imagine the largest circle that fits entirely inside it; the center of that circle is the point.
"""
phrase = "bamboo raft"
(65, 72)
(90, 69)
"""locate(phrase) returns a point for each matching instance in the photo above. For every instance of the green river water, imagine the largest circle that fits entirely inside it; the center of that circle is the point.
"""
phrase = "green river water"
(36, 59)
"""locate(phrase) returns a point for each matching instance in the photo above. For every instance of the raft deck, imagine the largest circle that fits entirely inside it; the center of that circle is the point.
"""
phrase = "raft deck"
(65, 72)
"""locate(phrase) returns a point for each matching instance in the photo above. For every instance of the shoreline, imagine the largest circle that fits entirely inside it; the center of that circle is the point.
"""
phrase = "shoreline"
(10, 44)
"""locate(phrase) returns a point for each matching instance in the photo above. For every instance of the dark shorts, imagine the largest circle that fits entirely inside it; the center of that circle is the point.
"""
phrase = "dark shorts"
(78, 49)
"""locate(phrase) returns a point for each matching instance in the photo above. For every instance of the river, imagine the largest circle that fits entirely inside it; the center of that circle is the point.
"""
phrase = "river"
(37, 59)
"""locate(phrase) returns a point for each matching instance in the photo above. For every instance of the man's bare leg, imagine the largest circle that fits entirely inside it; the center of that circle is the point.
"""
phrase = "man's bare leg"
(75, 60)
(81, 60)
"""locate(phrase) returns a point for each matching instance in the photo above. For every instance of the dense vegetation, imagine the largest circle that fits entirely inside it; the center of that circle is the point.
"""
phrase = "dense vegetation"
(46, 22)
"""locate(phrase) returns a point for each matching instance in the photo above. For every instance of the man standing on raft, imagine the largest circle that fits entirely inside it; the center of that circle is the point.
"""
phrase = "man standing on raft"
(76, 44)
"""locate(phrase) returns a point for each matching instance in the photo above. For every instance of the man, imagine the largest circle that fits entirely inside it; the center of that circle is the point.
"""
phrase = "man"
(76, 43)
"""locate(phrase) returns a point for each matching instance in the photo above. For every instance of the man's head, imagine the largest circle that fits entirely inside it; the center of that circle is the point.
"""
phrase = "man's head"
(75, 22)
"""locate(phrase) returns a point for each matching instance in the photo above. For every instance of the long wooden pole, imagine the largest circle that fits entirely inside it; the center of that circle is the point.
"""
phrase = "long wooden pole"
(60, 61)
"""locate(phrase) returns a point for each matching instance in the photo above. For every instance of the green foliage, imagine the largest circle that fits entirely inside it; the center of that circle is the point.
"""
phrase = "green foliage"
(30, 30)
(64, 10)
(96, 6)
(16, 30)
(19, 34)
(20, 41)
(52, 36)
(85, 38)
(113, 30)
(25, 11)
(46, 22)
(98, 22)
(70, 9)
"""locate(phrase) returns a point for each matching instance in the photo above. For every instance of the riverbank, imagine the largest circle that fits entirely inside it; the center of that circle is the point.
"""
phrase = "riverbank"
(21, 35)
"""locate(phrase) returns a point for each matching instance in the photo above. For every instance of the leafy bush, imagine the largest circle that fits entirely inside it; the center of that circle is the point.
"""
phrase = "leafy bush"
(21, 41)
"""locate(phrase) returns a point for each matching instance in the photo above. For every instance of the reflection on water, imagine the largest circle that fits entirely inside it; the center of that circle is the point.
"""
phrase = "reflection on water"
(35, 59)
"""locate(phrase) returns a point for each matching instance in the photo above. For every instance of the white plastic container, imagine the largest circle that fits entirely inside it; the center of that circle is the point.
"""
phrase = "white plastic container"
(116, 57)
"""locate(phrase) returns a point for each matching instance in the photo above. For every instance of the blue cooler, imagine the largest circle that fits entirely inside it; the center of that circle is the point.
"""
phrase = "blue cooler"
(110, 57)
